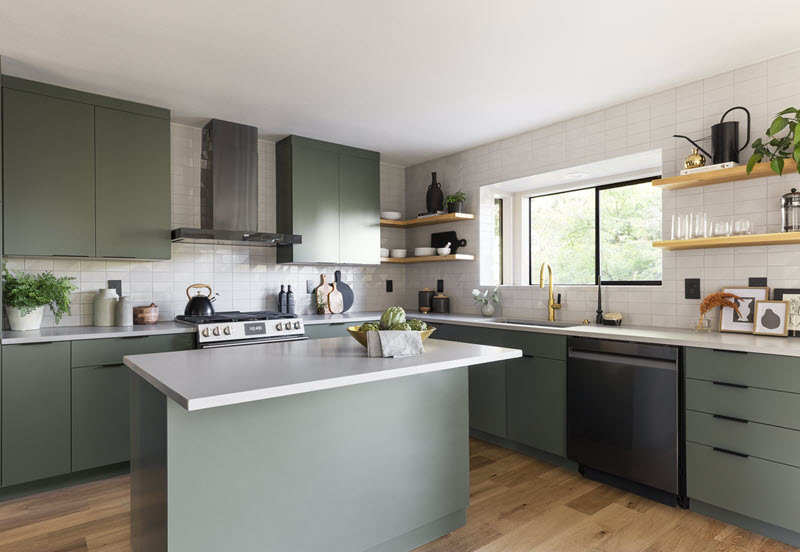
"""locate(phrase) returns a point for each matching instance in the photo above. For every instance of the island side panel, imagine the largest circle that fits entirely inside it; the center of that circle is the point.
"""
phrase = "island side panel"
(148, 467)
(375, 466)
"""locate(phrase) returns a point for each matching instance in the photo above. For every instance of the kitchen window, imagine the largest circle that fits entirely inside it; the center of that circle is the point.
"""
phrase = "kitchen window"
(605, 232)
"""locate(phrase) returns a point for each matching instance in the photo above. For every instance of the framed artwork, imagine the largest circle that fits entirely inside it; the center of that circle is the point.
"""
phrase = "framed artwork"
(730, 321)
(772, 318)
(793, 296)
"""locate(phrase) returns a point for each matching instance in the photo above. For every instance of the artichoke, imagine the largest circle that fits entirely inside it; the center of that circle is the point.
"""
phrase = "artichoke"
(402, 326)
(418, 325)
(369, 327)
(392, 316)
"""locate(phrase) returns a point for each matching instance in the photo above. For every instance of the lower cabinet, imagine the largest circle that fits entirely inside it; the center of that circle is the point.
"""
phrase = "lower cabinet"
(536, 397)
(100, 418)
(487, 398)
(321, 331)
(35, 412)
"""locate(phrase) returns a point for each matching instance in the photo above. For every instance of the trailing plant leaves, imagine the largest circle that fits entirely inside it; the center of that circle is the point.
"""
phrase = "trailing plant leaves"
(777, 165)
(755, 158)
(778, 125)
(28, 292)
(787, 111)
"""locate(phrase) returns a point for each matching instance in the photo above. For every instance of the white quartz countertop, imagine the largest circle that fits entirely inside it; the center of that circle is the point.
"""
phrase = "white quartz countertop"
(72, 333)
(207, 378)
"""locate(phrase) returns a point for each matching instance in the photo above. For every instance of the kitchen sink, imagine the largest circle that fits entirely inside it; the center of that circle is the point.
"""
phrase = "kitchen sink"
(542, 323)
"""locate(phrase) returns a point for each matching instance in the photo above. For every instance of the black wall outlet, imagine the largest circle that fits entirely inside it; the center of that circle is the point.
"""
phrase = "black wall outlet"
(389, 286)
(692, 288)
(757, 282)
(440, 286)
(116, 285)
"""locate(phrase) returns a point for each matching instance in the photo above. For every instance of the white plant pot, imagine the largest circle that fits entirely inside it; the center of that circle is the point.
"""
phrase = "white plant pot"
(487, 309)
(31, 321)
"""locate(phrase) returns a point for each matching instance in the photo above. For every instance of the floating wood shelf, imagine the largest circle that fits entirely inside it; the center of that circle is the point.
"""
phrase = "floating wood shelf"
(431, 259)
(427, 221)
(761, 170)
(778, 238)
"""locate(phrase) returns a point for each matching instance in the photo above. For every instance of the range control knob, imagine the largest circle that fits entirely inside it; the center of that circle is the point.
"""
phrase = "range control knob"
(288, 326)
(205, 332)
(279, 326)
(216, 330)
(227, 330)
(297, 325)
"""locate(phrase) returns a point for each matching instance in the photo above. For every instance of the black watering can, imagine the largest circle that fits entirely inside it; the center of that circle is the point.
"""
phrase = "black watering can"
(724, 139)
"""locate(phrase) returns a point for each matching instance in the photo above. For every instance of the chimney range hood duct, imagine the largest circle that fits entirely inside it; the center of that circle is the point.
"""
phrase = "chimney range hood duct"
(229, 190)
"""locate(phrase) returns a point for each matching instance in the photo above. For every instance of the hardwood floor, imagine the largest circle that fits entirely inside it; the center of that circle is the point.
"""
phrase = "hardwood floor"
(517, 504)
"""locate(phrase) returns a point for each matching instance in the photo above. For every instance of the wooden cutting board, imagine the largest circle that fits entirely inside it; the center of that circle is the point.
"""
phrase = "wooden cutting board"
(335, 300)
(322, 291)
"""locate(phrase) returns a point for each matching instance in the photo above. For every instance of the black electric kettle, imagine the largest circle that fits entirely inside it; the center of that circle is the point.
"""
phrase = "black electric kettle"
(199, 305)
(724, 139)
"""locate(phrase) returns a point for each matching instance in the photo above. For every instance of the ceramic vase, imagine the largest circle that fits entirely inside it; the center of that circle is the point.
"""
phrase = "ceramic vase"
(434, 198)
(123, 312)
(105, 303)
(487, 309)
(19, 323)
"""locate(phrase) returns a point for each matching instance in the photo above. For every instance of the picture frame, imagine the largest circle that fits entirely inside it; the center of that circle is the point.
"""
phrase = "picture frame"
(771, 318)
(729, 321)
(793, 296)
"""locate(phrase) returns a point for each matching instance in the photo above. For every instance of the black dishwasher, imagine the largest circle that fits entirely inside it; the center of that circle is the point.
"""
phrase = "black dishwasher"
(624, 404)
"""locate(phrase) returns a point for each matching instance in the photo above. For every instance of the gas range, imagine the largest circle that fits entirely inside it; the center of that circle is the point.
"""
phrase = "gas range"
(227, 329)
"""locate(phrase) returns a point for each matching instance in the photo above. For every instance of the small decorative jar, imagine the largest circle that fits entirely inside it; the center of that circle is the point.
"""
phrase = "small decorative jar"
(104, 307)
(124, 312)
(487, 309)
(702, 325)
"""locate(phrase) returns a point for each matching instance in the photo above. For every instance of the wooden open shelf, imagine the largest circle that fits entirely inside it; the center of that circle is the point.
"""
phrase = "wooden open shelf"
(431, 259)
(778, 238)
(427, 221)
(761, 170)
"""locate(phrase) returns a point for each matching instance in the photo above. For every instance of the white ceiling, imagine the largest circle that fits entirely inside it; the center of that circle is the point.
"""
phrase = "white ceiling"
(414, 79)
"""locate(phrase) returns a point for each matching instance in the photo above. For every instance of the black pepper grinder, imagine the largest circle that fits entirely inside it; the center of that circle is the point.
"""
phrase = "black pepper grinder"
(290, 301)
(282, 301)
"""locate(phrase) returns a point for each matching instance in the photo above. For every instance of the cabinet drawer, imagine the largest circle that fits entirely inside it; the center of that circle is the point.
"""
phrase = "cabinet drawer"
(750, 403)
(538, 344)
(447, 332)
(780, 373)
(321, 331)
(758, 488)
(763, 441)
(99, 352)
(481, 336)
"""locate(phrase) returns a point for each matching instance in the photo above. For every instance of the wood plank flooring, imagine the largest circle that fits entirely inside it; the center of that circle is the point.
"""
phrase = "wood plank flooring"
(518, 504)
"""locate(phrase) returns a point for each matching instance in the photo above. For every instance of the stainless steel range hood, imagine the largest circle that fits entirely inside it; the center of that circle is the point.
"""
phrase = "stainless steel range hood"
(229, 190)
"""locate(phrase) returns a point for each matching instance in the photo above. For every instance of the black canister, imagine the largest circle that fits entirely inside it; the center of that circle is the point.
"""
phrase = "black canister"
(440, 304)
(425, 299)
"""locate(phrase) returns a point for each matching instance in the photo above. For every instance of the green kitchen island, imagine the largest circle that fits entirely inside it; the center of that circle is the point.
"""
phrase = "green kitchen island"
(302, 446)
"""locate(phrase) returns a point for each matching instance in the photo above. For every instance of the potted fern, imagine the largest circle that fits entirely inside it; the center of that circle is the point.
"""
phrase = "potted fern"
(454, 203)
(25, 296)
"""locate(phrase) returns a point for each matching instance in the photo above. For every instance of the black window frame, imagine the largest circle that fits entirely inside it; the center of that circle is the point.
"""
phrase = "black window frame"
(597, 190)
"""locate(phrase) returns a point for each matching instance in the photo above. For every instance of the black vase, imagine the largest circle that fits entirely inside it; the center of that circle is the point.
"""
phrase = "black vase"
(455, 207)
(434, 198)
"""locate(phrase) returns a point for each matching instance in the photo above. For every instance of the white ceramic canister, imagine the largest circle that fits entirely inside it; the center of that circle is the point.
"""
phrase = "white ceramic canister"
(124, 312)
(104, 303)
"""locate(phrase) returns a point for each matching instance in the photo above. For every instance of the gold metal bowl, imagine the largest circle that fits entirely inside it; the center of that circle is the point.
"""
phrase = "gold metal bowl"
(361, 337)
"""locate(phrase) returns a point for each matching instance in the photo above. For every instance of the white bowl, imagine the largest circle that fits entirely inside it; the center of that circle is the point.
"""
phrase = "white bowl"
(391, 215)
(384, 252)
(443, 251)
(399, 253)
(424, 251)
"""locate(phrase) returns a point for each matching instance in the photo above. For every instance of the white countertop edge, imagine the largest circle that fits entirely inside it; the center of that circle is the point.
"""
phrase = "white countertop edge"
(319, 385)
(80, 333)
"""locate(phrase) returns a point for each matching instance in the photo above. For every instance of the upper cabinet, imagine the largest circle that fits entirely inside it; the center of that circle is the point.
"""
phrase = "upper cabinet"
(330, 194)
(83, 175)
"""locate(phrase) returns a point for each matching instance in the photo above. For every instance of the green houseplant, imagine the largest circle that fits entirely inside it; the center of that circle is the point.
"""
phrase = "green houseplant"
(782, 142)
(454, 203)
(25, 297)
(486, 300)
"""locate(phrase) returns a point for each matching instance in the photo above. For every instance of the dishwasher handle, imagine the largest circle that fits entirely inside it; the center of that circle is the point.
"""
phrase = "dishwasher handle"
(626, 360)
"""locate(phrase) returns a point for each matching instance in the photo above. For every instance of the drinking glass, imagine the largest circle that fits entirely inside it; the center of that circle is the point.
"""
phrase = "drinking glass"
(721, 228)
(698, 227)
(680, 227)
(742, 227)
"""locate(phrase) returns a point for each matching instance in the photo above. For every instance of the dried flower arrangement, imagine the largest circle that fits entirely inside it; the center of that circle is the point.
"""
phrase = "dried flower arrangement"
(716, 300)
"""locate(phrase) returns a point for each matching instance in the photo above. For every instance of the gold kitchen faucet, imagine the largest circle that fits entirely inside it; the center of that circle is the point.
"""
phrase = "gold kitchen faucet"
(551, 305)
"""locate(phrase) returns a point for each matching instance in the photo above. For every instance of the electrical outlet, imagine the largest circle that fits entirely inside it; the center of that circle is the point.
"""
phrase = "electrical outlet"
(309, 286)
(389, 286)
(692, 288)
(440, 286)
(757, 282)
(116, 285)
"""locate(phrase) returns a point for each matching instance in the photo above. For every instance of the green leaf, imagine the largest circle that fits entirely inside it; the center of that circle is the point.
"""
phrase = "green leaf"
(777, 125)
(753, 160)
(796, 155)
(796, 140)
(757, 143)
(787, 111)
(777, 165)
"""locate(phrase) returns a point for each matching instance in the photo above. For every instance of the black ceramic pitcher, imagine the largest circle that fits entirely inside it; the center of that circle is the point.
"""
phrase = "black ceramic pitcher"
(724, 139)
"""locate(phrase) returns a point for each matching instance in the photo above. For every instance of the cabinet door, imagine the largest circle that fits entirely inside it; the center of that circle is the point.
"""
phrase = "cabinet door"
(35, 411)
(321, 331)
(48, 175)
(132, 167)
(487, 398)
(100, 422)
(315, 204)
(537, 403)
(359, 210)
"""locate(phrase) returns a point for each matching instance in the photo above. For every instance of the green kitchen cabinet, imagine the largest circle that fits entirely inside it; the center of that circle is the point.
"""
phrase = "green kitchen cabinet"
(132, 172)
(487, 398)
(330, 194)
(537, 403)
(100, 417)
(446, 332)
(48, 175)
(35, 411)
(321, 331)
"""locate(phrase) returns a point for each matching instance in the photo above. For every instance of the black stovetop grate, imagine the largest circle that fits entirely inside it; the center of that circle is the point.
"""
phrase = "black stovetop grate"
(235, 316)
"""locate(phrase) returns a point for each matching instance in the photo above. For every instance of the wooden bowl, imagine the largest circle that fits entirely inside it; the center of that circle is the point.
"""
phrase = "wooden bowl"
(145, 315)
(361, 337)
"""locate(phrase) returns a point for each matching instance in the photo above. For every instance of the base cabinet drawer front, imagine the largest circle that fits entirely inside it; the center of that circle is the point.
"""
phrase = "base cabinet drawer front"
(35, 412)
(537, 403)
(446, 332)
(321, 331)
(753, 404)
(538, 344)
(100, 418)
(487, 398)
(760, 440)
(758, 488)
(780, 373)
(99, 352)
(481, 336)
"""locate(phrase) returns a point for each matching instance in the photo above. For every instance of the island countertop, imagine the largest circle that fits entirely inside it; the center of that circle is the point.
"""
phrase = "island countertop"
(207, 378)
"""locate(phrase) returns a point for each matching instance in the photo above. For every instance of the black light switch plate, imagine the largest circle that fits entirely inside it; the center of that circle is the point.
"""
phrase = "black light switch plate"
(440, 286)
(389, 286)
(692, 288)
(757, 282)
(116, 285)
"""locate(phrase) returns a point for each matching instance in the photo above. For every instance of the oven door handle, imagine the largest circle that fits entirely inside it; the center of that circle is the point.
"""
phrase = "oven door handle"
(255, 342)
